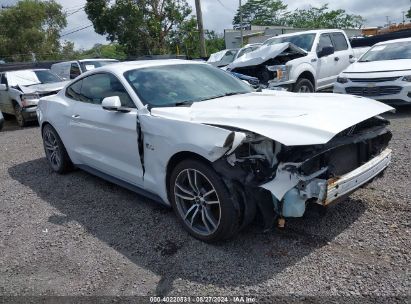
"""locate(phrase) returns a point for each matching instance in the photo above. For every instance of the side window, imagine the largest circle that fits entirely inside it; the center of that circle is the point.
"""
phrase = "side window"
(74, 70)
(325, 40)
(96, 87)
(74, 91)
(340, 42)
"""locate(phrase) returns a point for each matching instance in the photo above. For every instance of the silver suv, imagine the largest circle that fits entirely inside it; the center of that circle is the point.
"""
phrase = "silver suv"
(20, 92)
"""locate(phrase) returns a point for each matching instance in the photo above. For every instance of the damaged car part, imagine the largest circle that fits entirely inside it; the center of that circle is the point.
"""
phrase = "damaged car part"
(200, 140)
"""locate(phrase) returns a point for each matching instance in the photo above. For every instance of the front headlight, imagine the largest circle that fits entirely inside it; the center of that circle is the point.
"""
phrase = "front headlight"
(407, 78)
(342, 79)
(29, 99)
(283, 72)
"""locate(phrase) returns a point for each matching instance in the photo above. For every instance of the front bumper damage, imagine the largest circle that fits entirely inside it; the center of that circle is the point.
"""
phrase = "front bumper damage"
(283, 180)
(340, 187)
(292, 191)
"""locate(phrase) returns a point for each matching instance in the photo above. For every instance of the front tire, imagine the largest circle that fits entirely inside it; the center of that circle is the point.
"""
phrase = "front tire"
(202, 202)
(304, 86)
(56, 153)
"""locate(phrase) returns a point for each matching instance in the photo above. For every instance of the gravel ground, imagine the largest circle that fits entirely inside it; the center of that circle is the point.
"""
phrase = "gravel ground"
(79, 235)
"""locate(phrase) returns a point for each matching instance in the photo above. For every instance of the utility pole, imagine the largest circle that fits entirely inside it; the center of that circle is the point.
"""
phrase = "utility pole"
(203, 51)
(388, 20)
(403, 17)
(241, 24)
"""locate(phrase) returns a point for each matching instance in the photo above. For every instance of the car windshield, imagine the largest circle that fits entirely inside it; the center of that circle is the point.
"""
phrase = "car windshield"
(304, 41)
(94, 64)
(180, 84)
(29, 78)
(388, 51)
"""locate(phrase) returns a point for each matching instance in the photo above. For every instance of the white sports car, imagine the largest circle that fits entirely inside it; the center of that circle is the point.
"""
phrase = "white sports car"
(198, 139)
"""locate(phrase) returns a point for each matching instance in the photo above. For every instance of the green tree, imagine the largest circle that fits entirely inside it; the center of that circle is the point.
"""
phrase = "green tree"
(323, 17)
(141, 27)
(113, 51)
(186, 40)
(260, 12)
(408, 14)
(30, 29)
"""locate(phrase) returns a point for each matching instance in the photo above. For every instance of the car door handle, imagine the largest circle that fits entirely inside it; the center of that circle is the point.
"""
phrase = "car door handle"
(336, 58)
(75, 116)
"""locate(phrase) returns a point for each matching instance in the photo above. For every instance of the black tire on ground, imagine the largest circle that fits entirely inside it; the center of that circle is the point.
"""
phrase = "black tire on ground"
(19, 115)
(204, 178)
(303, 85)
(56, 153)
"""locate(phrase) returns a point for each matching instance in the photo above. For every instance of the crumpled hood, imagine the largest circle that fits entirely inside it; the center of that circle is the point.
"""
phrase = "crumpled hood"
(44, 88)
(263, 54)
(379, 66)
(289, 118)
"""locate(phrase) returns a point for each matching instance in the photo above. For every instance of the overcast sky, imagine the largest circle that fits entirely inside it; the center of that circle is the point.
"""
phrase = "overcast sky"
(218, 14)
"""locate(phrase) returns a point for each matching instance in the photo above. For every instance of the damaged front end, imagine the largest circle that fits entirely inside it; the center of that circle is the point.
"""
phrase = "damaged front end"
(268, 64)
(281, 180)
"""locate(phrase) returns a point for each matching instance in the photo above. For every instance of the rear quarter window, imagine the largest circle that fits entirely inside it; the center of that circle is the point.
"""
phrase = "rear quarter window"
(74, 91)
(340, 42)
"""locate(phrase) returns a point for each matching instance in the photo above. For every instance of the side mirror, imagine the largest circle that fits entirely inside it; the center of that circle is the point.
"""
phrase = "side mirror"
(326, 51)
(111, 103)
(353, 59)
(3, 87)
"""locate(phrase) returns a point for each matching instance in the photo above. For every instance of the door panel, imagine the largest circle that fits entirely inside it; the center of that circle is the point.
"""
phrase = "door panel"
(104, 140)
(5, 101)
(107, 141)
(326, 65)
(341, 55)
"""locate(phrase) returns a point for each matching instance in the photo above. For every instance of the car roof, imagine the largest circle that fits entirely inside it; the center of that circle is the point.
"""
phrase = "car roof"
(394, 41)
(125, 66)
(26, 70)
(97, 59)
(308, 32)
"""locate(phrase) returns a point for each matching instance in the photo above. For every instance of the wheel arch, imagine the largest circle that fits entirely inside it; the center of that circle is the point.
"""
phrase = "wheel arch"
(309, 76)
(176, 159)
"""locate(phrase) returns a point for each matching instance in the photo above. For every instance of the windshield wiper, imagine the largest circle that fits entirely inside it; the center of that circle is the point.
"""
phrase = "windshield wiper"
(223, 95)
(183, 103)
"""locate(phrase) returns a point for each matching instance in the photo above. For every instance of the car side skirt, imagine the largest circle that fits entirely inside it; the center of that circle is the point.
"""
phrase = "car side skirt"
(123, 184)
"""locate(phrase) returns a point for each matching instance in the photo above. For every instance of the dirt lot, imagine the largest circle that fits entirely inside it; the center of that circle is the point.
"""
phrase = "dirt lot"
(79, 235)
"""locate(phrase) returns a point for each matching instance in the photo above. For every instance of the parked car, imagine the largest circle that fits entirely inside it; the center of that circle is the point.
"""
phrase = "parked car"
(202, 141)
(223, 58)
(1, 121)
(71, 69)
(20, 92)
(301, 62)
(383, 73)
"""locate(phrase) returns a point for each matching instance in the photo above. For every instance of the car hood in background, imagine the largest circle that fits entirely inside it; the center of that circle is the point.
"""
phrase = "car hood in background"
(289, 118)
(263, 54)
(44, 88)
(380, 66)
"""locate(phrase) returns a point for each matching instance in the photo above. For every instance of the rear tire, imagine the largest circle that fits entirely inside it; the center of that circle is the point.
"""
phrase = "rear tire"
(56, 153)
(18, 112)
(202, 202)
(303, 85)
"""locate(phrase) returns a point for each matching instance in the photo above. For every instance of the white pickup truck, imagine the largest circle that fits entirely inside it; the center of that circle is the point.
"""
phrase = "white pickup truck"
(301, 62)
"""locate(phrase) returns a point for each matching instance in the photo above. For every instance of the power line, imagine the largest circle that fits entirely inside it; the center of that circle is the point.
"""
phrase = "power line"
(221, 3)
(72, 32)
(76, 11)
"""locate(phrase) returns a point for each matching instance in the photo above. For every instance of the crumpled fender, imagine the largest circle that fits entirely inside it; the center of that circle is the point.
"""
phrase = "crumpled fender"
(165, 137)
